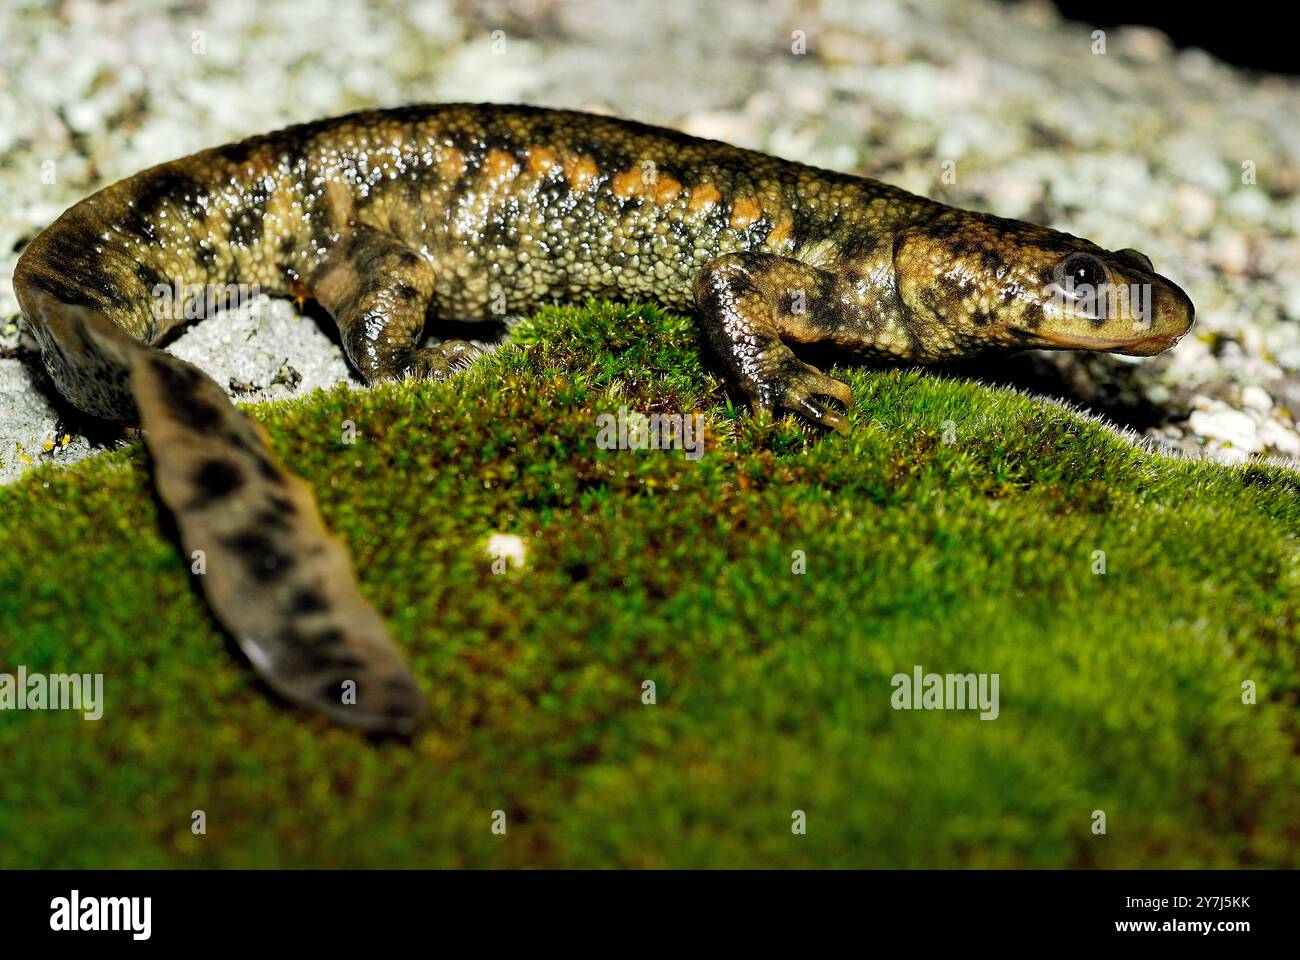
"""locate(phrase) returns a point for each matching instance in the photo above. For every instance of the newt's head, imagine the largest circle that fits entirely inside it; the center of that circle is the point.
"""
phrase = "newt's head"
(1001, 283)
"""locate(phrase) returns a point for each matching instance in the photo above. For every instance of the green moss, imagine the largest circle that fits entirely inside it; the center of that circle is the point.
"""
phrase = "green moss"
(1119, 692)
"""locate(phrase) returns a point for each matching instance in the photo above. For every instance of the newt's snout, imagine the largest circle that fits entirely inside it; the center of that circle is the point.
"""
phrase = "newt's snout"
(1171, 319)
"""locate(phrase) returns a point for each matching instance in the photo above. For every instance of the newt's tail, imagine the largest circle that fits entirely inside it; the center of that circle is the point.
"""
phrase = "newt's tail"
(271, 572)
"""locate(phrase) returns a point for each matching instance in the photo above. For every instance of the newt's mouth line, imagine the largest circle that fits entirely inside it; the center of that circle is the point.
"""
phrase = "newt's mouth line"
(1141, 346)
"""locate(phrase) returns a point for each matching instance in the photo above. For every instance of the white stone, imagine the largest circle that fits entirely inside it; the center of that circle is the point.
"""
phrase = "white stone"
(1256, 398)
(1277, 436)
(509, 547)
(1226, 425)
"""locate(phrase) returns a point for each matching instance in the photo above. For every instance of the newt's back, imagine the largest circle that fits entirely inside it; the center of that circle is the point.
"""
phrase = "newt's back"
(528, 204)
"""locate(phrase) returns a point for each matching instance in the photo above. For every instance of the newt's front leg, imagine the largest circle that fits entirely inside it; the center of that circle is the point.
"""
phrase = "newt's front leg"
(378, 291)
(748, 303)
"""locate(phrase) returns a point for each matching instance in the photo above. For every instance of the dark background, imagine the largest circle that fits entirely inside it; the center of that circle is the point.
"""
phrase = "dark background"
(1260, 36)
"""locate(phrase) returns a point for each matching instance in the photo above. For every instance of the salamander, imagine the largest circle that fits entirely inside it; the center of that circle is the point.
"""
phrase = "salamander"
(388, 218)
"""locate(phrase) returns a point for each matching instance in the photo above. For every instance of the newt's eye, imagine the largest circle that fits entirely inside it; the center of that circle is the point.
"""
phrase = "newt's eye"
(1080, 270)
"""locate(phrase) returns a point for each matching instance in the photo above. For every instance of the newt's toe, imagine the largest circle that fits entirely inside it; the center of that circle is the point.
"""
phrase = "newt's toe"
(438, 363)
(800, 386)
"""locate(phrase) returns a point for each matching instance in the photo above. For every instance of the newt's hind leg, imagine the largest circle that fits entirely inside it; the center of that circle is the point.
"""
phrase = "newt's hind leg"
(748, 303)
(378, 291)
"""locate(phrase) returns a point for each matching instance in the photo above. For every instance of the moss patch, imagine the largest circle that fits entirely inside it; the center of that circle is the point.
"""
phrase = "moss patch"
(1119, 692)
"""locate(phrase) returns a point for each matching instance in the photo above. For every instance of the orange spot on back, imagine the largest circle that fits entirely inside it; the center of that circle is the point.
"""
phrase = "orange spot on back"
(580, 172)
(499, 165)
(704, 197)
(781, 232)
(666, 190)
(542, 160)
(744, 212)
(628, 183)
(451, 163)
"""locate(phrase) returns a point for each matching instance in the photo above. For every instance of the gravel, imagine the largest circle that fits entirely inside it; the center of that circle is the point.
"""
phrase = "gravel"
(1174, 153)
